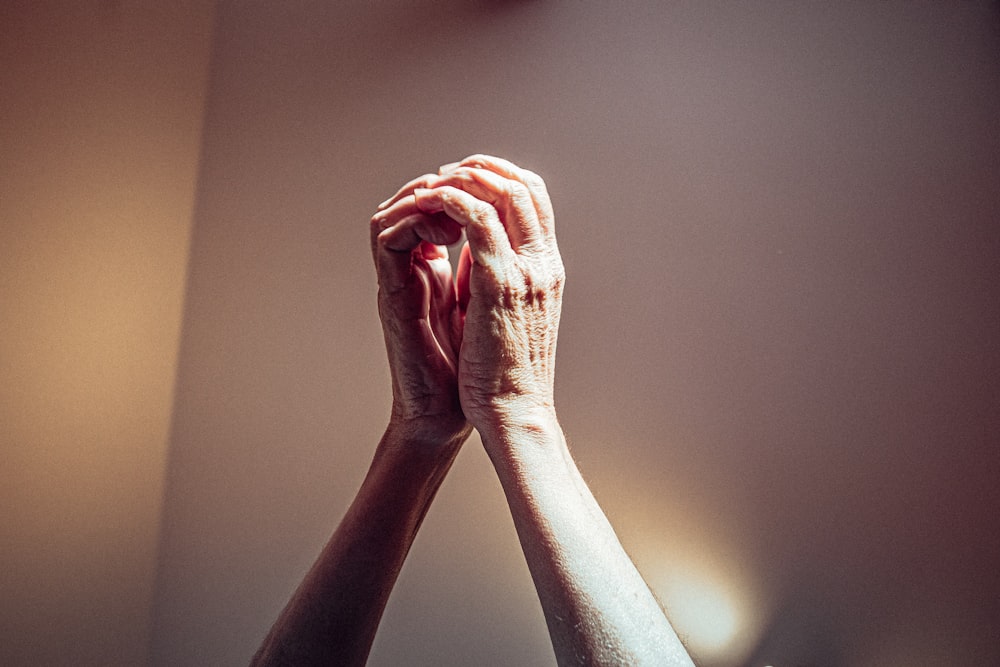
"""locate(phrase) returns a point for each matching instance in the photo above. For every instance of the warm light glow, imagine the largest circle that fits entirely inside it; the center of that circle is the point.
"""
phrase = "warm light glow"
(706, 585)
(702, 612)
(710, 601)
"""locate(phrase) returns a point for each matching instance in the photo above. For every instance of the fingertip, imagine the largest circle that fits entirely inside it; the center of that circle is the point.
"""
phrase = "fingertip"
(451, 166)
(403, 192)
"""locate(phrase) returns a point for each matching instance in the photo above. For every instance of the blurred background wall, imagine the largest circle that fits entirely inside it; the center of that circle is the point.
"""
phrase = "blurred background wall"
(779, 360)
(101, 107)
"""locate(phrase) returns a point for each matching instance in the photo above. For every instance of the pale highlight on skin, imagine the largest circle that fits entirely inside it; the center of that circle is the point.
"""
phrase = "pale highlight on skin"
(474, 352)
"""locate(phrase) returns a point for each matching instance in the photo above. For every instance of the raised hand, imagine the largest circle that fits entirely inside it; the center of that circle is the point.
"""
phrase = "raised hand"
(332, 617)
(421, 321)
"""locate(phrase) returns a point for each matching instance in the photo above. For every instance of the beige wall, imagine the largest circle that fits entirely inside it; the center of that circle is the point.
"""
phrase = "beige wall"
(100, 127)
(779, 358)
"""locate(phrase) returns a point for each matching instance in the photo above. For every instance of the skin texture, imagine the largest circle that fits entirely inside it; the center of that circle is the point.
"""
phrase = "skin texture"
(476, 352)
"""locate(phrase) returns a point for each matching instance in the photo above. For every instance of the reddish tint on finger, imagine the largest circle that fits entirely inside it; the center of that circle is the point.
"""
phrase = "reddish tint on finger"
(431, 251)
(462, 278)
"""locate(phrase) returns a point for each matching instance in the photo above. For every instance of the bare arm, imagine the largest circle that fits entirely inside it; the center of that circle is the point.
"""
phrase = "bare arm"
(598, 609)
(332, 617)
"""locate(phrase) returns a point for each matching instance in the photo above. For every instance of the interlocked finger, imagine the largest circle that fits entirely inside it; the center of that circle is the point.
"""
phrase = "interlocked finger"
(402, 229)
(511, 198)
(507, 169)
(488, 240)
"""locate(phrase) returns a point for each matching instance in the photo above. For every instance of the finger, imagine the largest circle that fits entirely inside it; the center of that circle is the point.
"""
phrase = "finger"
(388, 217)
(430, 252)
(405, 235)
(448, 167)
(442, 303)
(462, 278)
(395, 241)
(511, 199)
(507, 169)
(393, 267)
(406, 213)
(488, 240)
(418, 182)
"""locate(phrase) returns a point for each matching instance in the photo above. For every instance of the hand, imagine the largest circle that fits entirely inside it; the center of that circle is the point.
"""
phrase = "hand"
(510, 282)
(421, 321)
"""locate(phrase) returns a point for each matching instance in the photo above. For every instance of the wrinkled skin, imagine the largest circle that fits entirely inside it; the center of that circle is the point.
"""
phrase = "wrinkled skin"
(500, 320)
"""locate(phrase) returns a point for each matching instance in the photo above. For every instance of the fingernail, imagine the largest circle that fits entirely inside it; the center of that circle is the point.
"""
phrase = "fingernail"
(451, 166)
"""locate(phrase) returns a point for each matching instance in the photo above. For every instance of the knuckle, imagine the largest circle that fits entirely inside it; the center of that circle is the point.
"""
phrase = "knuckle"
(533, 180)
(557, 271)
(559, 281)
(554, 277)
(379, 242)
(543, 279)
(484, 214)
(518, 193)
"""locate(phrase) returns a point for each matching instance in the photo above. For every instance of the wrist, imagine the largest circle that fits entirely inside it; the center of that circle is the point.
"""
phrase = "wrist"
(520, 427)
(428, 429)
(423, 443)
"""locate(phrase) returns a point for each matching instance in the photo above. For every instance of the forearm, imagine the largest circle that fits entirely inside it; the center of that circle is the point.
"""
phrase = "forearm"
(332, 617)
(598, 609)
(510, 280)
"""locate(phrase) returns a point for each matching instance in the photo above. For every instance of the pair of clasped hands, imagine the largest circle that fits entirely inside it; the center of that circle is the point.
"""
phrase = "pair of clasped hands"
(474, 352)
(478, 351)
